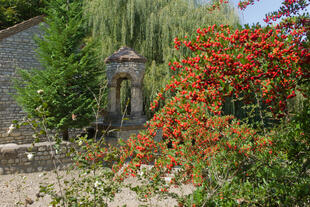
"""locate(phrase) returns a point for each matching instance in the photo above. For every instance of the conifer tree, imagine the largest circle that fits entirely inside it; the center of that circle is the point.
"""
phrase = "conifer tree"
(70, 74)
(149, 27)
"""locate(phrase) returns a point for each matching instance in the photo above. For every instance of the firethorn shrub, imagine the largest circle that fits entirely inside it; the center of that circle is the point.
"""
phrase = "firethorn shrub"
(233, 163)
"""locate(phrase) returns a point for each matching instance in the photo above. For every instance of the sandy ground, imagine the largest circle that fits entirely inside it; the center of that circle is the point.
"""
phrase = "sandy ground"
(18, 189)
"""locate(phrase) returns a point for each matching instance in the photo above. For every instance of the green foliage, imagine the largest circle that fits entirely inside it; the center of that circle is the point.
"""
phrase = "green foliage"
(91, 180)
(269, 180)
(71, 72)
(279, 179)
(234, 164)
(15, 11)
(293, 136)
(149, 27)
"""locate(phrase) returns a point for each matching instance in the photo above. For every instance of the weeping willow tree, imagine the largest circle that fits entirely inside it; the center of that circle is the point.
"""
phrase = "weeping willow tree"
(149, 27)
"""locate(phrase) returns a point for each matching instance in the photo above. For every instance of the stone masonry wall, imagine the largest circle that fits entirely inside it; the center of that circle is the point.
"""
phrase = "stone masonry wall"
(14, 158)
(16, 51)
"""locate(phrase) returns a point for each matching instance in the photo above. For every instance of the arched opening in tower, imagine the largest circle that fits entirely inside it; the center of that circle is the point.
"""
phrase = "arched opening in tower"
(125, 96)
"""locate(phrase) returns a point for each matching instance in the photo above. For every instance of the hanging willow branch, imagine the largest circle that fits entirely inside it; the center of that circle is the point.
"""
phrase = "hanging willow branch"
(149, 27)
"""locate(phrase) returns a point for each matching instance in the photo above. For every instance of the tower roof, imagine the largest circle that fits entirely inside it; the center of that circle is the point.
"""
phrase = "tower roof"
(125, 54)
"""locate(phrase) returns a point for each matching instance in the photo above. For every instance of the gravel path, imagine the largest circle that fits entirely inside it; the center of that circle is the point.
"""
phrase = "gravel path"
(19, 189)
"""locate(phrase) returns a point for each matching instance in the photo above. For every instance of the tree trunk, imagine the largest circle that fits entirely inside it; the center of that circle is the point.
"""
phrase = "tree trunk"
(65, 134)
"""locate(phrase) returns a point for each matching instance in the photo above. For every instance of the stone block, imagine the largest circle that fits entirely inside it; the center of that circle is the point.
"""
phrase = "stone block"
(16, 134)
(49, 162)
(46, 158)
(29, 169)
(9, 150)
(27, 163)
(41, 149)
(11, 161)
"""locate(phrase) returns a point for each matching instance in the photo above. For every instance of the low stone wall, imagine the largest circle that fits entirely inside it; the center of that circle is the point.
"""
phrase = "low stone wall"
(19, 136)
(25, 136)
(16, 158)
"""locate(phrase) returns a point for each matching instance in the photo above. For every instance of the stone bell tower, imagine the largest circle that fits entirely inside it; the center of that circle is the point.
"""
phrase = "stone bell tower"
(125, 64)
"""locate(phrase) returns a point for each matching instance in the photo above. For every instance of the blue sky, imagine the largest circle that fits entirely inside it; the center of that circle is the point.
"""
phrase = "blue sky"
(256, 13)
